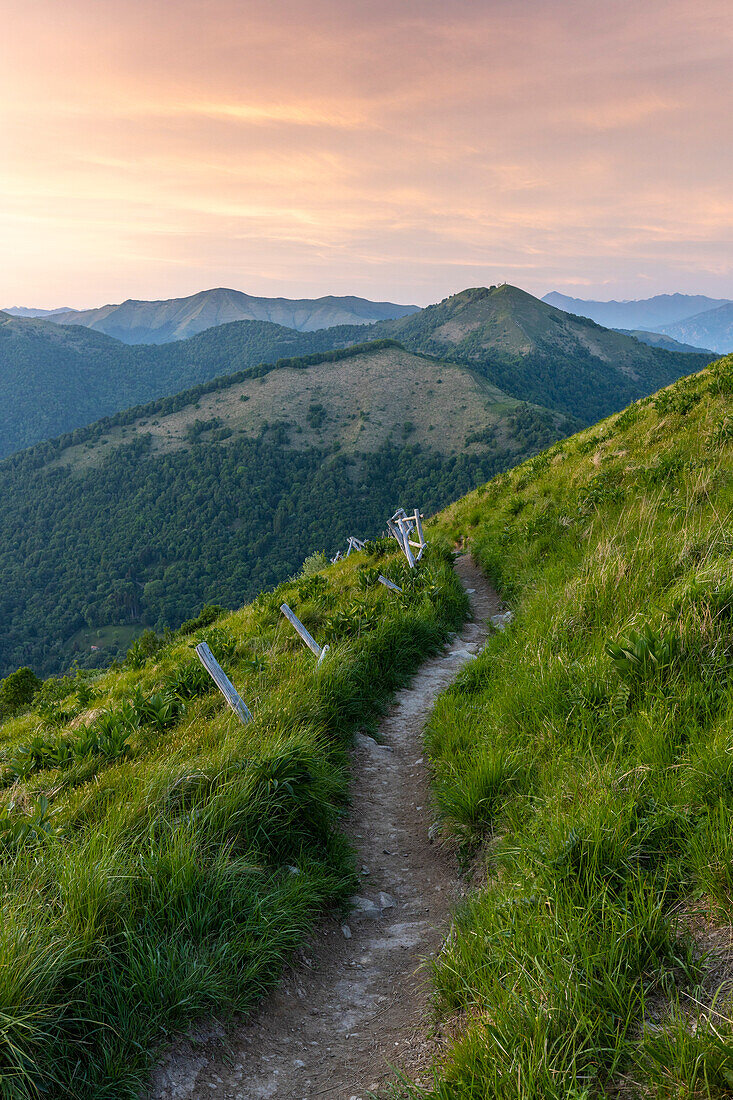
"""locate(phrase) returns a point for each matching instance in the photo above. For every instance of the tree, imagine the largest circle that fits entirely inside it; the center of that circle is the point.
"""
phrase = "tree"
(17, 691)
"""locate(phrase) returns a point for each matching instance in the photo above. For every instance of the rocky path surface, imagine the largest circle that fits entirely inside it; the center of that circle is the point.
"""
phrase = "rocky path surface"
(358, 1003)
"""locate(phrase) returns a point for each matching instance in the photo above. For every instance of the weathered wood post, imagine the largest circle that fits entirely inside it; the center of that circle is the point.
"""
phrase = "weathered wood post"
(308, 638)
(404, 528)
(418, 525)
(224, 684)
(389, 584)
(354, 544)
(401, 527)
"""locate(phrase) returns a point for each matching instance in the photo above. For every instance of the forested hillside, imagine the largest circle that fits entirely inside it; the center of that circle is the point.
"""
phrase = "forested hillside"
(54, 378)
(214, 495)
(584, 762)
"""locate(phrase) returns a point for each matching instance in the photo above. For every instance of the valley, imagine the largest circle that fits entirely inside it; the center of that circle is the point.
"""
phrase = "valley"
(579, 773)
(211, 495)
(366, 551)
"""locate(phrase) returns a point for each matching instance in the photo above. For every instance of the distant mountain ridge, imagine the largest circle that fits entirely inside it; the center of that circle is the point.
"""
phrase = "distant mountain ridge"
(147, 322)
(651, 314)
(661, 340)
(713, 327)
(29, 311)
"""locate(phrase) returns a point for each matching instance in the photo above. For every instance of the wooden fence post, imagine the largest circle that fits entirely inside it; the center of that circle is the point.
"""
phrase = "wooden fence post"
(389, 584)
(309, 640)
(401, 527)
(404, 528)
(224, 684)
(354, 544)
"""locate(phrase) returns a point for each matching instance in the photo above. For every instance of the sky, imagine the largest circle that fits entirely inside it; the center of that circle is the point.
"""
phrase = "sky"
(392, 149)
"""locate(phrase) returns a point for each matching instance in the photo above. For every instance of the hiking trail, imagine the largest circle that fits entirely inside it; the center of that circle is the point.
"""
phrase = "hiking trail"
(357, 1002)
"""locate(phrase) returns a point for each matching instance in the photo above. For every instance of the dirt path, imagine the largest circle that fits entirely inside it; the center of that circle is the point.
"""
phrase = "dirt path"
(359, 1002)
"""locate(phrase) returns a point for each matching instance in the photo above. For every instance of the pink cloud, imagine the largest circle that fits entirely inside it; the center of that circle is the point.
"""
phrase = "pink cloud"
(386, 149)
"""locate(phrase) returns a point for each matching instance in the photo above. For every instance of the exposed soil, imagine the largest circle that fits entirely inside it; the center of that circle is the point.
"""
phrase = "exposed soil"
(358, 1004)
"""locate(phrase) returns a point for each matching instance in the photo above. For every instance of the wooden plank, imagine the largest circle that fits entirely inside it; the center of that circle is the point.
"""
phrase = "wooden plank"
(295, 621)
(389, 584)
(222, 681)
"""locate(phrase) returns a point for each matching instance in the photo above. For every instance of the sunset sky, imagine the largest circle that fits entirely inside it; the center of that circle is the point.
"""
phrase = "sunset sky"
(397, 150)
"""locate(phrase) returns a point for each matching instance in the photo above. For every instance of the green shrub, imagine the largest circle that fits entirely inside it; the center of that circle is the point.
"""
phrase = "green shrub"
(17, 691)
(645, 658)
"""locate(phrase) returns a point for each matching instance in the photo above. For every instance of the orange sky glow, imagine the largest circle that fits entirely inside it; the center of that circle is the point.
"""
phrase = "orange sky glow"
(397, 150)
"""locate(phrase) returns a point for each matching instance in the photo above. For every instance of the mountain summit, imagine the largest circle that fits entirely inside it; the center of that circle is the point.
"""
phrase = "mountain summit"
(531, 349)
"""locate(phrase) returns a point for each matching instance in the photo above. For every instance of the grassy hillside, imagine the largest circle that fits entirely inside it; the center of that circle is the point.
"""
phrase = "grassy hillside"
(55, 378)
(158, 860)
(585, 759)
(212, 495)
(529, 348)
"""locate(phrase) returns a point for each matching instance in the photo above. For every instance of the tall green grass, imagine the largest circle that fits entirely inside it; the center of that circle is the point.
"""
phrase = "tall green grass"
(174, 872)
(585, 760)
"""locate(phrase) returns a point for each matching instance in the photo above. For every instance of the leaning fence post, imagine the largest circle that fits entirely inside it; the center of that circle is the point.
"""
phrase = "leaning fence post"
(389, 584)
(307, 638)
(222, 681)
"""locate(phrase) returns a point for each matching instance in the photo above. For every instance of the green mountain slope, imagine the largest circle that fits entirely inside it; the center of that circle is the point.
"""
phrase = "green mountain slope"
(587, 752)
(530, 348)
(160, 862)
(55, 378)
(214, 494)
(140, 322)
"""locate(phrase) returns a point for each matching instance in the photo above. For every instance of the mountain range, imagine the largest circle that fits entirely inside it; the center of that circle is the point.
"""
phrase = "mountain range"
(218, 492)
(643, 313)
(142, 322)
(714, 328)
(28, 311)
(692, 319)
(660, 340)
(54, 378)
